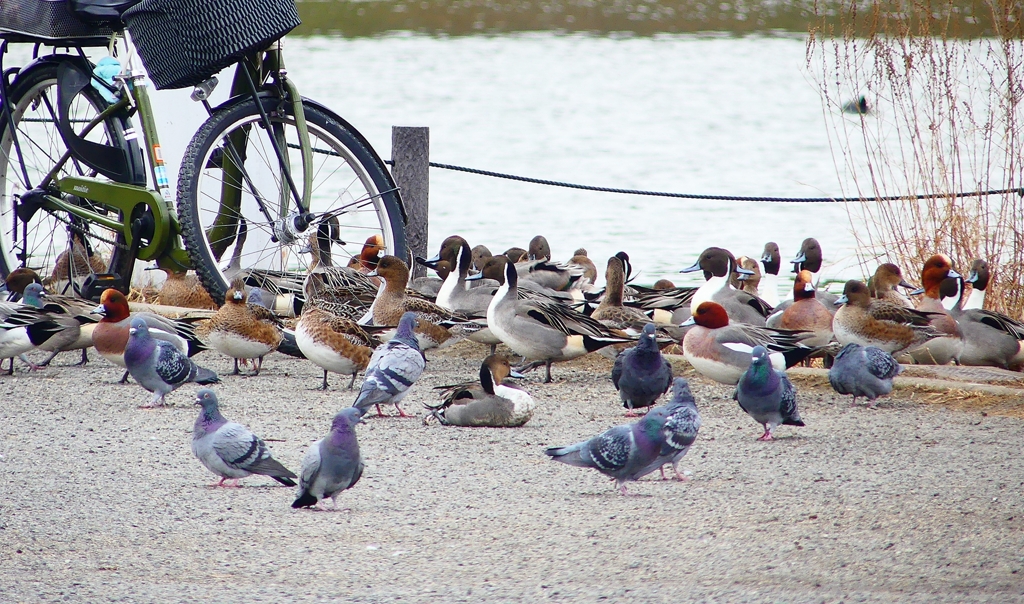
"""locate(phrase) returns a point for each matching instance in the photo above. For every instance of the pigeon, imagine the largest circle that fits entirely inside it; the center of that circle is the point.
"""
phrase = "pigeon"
(680, 428)
(641, 374)
(230, 450)
(627, 452)
(333, 463)
(766, 394)
(863, 371)
(393, 368)
(158, 366)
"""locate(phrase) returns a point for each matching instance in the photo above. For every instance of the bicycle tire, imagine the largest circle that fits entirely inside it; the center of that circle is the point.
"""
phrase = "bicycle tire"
(346, 171)
(45, 240)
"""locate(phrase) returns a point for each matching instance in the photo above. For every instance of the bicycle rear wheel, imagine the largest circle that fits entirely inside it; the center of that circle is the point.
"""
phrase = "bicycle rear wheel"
(233, 197)
(62, 248)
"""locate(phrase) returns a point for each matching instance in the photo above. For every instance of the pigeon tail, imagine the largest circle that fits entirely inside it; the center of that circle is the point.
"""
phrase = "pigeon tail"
(305, 500)
(205, 377)
(368, 398)
(568, 455)
(789, 421)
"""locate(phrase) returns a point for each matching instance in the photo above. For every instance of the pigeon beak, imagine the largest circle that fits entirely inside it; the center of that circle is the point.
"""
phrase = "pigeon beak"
(688, 322)
(99, 310)
(841, 300)
(132, 331)
(692, 269)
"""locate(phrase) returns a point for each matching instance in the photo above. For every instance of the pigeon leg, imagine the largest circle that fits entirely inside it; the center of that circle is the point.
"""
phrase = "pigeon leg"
(350, 384)
(400, 412)
(324, 387)
(854, 403)
(767, 433)
(124, 378)
(379, 412)
(622, 489)
(679, 475)
(235, 372)
(662, 469)
(158, 401)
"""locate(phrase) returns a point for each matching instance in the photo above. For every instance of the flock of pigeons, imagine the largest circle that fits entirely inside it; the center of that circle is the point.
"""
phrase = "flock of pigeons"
(369, 317)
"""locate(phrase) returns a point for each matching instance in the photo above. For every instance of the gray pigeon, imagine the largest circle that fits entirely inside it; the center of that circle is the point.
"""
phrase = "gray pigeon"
(863, 371)
(681, 427)
(393, 368)
(158, 366)
(766, 394)
(256, 296)
(624, 453)
(333, 463)
(641, 374)
(230, 450)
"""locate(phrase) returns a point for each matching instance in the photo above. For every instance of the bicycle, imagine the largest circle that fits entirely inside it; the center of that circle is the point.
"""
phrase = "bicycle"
(81, 190)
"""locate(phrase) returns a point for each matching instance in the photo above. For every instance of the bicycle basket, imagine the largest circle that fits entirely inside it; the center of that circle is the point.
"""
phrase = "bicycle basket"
(183, 42)
(47, 21)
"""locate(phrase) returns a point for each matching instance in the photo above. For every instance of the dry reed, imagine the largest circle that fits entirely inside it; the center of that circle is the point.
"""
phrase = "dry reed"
(945, 116)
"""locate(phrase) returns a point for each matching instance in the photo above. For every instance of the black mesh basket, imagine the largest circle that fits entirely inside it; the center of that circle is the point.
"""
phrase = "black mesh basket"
(183, 42)
(47, 21)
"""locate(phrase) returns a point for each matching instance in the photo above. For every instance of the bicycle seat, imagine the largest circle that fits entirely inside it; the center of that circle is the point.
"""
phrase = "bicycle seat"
(102, 13)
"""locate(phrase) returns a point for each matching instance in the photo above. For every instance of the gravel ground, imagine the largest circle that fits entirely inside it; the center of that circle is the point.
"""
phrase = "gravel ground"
(103, 501)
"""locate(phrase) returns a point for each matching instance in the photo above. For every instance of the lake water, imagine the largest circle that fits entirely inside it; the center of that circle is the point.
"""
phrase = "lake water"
(708, 114)
(688, 113)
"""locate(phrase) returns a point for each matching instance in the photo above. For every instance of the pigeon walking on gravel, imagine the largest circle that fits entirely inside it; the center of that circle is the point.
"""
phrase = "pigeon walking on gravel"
(766, 394)
(641, 374)
(333, 463)
(681, 427)
(624, 453)
(393, 368)
(863, 371)
(230, 450)
(158, 366)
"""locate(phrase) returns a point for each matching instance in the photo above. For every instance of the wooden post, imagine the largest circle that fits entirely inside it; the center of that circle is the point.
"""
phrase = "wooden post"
(410, 152)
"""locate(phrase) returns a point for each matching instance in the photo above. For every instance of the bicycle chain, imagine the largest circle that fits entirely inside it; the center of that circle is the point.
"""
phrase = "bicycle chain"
(86, 233)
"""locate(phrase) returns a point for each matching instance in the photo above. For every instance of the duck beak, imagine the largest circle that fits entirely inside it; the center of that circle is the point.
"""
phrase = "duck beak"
(305, 248)
(432, 263)
(841, 300)
(742, 276)
(916, 292)
(808, 287)
(952, 274)
(903, 283)
(766, 258)
(99, 310)
(372, 273)
(238, 295)
(743, 271)
(688, 322)
(692, 269)
(515, 374)
(800, 259)
(475, 277)
(973, 277)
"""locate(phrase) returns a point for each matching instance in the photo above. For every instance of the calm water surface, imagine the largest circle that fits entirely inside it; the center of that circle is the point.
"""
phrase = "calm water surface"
(702, 114)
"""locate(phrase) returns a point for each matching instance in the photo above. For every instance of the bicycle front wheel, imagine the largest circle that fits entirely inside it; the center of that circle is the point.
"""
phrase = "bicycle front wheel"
(236, 208)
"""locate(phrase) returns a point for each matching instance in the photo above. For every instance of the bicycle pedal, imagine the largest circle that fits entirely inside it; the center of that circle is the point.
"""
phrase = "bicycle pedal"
(96, 283)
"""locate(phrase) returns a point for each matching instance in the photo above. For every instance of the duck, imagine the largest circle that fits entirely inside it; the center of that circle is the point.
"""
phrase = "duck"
(610, 311)
(332, 342)
(857, 106)
(110, 336)
(580, 259)
(241, 330)
(946, 347)
(24, 329)
(884, 282)
(459, 293)
(516, 254)
(991, 339)
(71, 314)
(878, 323)
(342, 285)
(494, 273)
(665, 303)
(810, 258)
(743, 281)
(183, 288)
(718, 265)
(978, 278)
(721, 350)
(543, 332)
(539, 268)
(17, 280)
(807, 313)
(771, 261)
(79, 262)
(480, 255)
(392, 302)
(494, 402)
(373, 248)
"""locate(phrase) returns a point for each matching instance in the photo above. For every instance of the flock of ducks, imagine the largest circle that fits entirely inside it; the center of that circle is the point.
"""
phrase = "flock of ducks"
(370, 317)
